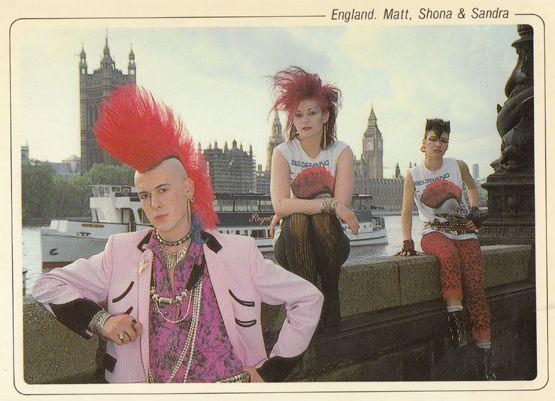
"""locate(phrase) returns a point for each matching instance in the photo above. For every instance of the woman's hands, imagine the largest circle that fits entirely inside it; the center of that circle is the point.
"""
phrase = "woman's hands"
(347, 216)
(121, 329)
(275, 220)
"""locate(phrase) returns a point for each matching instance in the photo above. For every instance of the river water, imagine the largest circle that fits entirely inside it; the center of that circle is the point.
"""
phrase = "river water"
(32, 260)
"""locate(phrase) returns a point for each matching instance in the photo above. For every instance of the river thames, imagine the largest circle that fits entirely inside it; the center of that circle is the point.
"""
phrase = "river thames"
(32, 260)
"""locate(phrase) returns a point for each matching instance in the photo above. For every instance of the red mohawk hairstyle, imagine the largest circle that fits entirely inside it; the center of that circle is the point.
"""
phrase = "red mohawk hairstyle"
(140, 132)
(293, 85)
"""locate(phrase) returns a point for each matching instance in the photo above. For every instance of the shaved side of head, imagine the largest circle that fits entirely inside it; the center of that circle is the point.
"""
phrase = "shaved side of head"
(171, 165)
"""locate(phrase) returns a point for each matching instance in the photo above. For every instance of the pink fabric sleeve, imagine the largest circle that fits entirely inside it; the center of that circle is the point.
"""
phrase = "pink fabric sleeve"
(84, 278)
(302, 300)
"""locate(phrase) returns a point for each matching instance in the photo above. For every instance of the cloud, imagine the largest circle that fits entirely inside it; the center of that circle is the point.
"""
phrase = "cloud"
(217, 79)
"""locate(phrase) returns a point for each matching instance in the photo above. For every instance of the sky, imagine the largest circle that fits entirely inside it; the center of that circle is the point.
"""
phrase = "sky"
(217, 80)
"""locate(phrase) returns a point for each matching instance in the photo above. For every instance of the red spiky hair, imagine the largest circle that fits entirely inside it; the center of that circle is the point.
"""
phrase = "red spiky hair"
(293, 85)
(141, 132)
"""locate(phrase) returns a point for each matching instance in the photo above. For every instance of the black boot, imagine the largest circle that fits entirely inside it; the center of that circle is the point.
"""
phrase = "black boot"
(330, 320)
(457, 329)
(485, 369)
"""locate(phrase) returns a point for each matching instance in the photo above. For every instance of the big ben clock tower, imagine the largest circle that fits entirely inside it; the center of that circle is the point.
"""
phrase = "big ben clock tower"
(372, 149)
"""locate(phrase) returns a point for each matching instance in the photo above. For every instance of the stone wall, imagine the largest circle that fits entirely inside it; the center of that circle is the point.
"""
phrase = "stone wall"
(393, 326)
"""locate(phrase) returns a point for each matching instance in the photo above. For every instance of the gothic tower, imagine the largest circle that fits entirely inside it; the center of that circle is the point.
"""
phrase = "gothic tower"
(372, 149)
(276, 137)
(92, 89)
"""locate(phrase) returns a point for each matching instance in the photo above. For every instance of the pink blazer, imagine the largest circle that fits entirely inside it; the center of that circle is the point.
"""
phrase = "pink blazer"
(242, 279)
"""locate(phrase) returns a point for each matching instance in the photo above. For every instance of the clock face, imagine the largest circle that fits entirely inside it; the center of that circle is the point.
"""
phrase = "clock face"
(369, 146)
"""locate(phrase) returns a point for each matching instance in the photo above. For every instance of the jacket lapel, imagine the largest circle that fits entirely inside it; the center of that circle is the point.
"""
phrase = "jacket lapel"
(219, 279)
(144, 270)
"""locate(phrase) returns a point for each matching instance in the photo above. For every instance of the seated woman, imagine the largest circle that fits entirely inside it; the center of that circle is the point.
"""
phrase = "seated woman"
(436, 186)
(312, 185)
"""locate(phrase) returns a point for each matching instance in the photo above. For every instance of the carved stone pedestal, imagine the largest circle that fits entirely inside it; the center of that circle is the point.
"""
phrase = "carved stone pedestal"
(510, 208)
(511, 187)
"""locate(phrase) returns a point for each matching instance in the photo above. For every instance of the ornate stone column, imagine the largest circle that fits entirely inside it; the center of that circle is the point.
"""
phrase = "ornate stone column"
(511, 187)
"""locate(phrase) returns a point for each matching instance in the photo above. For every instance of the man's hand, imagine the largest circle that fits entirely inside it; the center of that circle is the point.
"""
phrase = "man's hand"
(348, 217)
(121, 329)
(255, 377)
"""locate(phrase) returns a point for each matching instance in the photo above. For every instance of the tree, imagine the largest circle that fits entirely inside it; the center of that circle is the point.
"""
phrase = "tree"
(109, 174)
(71, 197)
(36, 189)
(46, 195)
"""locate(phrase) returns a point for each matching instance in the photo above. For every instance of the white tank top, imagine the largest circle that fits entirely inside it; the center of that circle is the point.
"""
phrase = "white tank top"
(439, 195)
(300, 162)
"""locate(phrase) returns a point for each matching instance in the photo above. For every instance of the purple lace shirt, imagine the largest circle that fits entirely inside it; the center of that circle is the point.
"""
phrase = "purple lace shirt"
(213, 357)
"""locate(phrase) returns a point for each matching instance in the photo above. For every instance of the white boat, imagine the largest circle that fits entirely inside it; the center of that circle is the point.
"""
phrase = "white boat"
(116, 209)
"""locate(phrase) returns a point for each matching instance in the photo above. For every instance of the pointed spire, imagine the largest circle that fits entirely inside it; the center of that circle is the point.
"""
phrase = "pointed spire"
(372, 115)
(397, 171)
(82, 60)
(250, 150)
(131, 54)
(277, 136)
(107, 61)
(106, 48)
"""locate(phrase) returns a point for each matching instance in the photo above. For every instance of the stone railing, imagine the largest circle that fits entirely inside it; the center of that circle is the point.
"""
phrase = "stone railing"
(393, 325)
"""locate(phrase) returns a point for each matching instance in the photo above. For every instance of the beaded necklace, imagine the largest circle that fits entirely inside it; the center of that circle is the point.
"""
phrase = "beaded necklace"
(193, 295)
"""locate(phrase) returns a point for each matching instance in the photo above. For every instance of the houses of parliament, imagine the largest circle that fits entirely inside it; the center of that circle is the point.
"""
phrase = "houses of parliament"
(232, 168)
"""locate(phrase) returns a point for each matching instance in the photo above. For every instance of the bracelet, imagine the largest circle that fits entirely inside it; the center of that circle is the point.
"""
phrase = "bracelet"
(333, 205)
(408, 247)
(328, 206)
(98, 321)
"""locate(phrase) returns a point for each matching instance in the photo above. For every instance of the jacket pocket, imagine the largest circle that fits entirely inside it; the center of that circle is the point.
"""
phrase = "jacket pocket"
(249, 304)
(245, 323)
(123, 294)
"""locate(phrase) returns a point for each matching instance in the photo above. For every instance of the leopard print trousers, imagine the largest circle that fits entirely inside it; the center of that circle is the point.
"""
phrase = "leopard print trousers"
(462, 272)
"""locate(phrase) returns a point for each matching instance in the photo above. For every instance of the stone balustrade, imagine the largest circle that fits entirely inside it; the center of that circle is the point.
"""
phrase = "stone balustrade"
(393, 325)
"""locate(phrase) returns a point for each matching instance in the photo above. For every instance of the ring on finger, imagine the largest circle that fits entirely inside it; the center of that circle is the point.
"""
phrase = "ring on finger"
(121, 336)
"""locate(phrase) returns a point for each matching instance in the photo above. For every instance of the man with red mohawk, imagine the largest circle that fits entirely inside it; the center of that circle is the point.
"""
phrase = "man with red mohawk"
(181, 301)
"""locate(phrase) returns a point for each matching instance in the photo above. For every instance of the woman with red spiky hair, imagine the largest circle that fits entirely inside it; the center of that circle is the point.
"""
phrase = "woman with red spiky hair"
(436, 186)
(312, 185)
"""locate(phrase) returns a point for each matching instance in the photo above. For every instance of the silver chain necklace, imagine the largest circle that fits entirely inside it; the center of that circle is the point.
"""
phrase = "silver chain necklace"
(189, 341)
